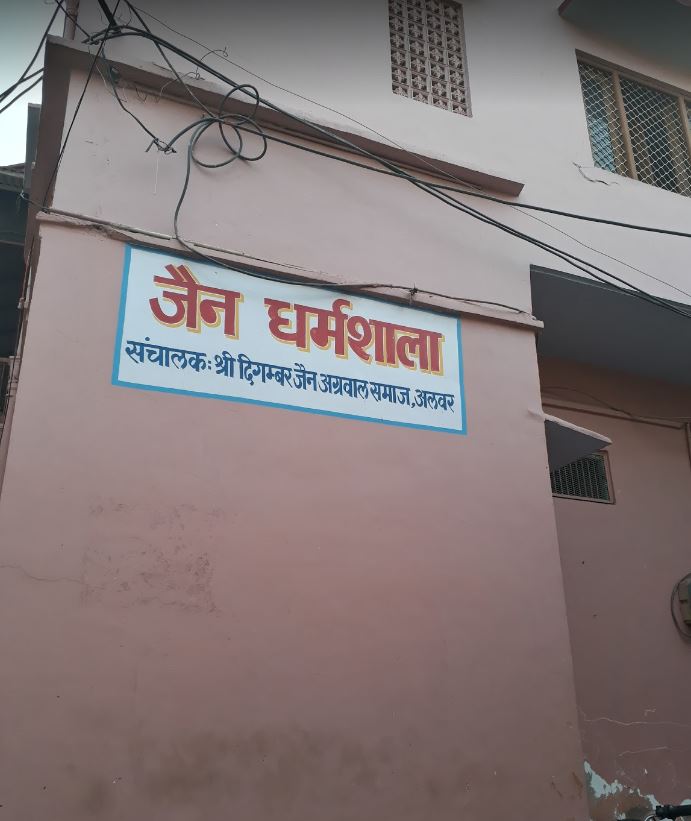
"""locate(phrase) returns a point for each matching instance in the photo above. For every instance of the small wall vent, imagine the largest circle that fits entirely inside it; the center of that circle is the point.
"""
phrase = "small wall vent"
(585, 479)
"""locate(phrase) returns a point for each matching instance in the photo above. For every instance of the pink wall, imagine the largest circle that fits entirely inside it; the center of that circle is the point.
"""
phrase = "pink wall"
(620, 563)
(224, 610)
(528, 118)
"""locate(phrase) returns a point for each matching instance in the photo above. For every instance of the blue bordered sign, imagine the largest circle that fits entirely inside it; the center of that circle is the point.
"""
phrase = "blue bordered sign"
(190, 327)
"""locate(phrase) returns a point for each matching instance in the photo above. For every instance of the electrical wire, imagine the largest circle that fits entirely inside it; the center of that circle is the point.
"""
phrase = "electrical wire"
(487, 197)
(6, 93)
(609, 406)
(590, 269)
(156, 141)
(429, 164)
(172, 68)
(443, 187)
(27, 270)
(330, 285)
(234, 122)
(565, 256)
(111, 81)
(224, 56)
(61, 153)
(21, 94)
(22, 76)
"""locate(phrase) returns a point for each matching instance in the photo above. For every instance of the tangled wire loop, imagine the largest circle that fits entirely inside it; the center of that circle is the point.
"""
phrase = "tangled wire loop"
(230, 127)
(236, 124)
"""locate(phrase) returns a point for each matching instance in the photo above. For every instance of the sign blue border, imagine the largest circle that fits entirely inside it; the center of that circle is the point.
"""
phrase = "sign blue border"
(244, 400)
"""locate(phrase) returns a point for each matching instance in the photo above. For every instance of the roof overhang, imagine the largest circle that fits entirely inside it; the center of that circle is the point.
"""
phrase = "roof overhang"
(595, 324)
(660, 29)
(567, 442)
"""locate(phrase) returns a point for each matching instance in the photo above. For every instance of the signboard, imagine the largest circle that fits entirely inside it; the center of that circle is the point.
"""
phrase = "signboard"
(190, 327)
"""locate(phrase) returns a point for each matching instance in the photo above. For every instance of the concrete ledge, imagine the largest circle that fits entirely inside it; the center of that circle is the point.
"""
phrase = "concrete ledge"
(70, 54)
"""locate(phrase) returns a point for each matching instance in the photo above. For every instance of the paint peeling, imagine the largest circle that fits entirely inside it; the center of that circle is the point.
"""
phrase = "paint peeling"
(614, 800)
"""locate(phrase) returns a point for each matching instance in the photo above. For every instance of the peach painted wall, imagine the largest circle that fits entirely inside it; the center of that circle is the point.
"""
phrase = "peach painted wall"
(620, 563)
(528, 120)
(221, 610)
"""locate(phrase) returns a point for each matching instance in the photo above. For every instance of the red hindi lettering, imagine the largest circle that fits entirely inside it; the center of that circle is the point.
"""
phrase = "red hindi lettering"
(425, 345)
(281, 327)
(360, 337)
(189, 309)
(183, 299)
(331, 325)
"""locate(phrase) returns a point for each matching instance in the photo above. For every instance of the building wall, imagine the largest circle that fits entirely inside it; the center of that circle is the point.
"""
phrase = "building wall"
(528, 121)
(620, 563)
(221, 608)
(226, 609)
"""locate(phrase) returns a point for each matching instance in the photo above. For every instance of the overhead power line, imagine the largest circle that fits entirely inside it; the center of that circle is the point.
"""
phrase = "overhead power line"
(21, 94)
(23, 75)
(6, 93)
(61, 153)
(590, 269)
(433, 166)
(223, 119)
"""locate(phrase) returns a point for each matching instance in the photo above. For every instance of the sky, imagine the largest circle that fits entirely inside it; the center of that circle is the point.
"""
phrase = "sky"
(23, 23)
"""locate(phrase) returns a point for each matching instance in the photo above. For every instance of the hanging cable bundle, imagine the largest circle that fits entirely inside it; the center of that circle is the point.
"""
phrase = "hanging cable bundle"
(238, 123)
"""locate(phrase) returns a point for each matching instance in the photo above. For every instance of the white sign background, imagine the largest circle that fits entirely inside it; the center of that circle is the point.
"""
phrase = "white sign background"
(136, 322)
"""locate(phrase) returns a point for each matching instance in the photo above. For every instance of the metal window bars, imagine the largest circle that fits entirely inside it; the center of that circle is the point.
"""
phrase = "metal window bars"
(428, 61)
(586, 479)
(637, 130)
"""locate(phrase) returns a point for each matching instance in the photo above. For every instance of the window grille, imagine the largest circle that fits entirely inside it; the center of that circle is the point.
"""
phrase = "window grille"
(428, 61)
(586, 478)
(637, 130)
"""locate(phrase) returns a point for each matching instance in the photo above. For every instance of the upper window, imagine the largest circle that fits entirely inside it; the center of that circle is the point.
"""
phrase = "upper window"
(638, 130)
(428, 53)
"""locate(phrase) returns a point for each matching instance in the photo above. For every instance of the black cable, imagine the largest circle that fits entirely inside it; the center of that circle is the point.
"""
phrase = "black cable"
(110, 15)
(442, 187)
(111, 80)
(453, 189)
(577, 262)
(634, 416)
(238, 123)
(683, 632)
(21, 94)
(6, 93)
(470, 193)
(74, 116)
(170, 65)
(412, 290)
(155, 141)
(22, 76)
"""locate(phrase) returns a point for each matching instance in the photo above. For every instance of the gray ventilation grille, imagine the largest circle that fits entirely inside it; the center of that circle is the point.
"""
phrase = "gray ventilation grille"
(585, 478)
(428, 61)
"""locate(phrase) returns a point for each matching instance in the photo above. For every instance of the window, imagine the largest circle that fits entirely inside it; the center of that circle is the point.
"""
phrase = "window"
(637, 130)
(428, 54)
(586, 478)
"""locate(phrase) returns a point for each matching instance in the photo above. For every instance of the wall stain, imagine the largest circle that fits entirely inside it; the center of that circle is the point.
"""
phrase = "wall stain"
(164, 563)
(279, 769)
(95, 799)
(579, 784)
